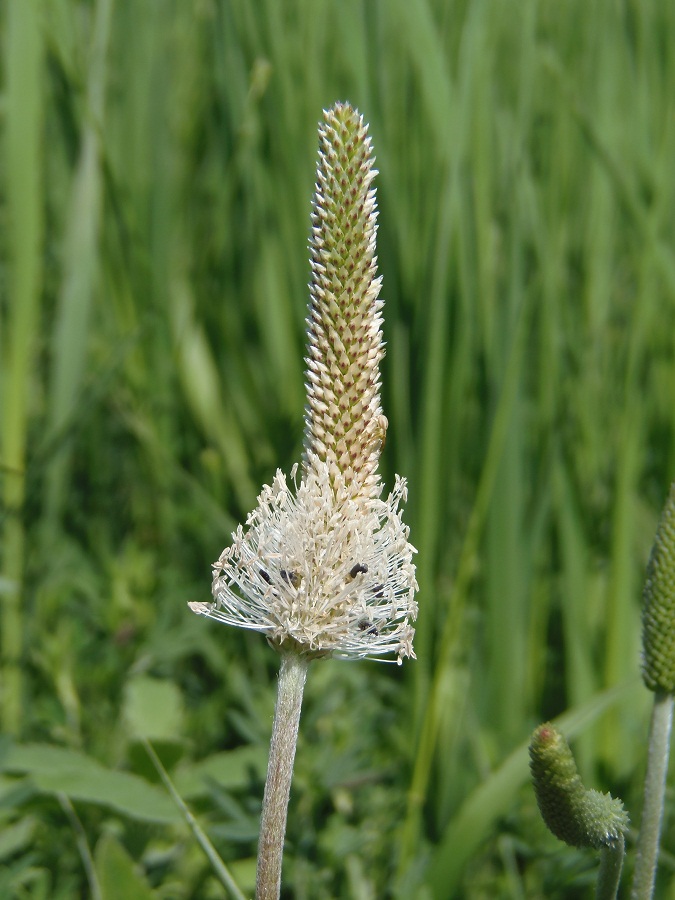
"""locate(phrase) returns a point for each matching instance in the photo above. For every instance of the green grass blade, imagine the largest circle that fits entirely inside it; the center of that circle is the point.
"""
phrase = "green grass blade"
(20, 335)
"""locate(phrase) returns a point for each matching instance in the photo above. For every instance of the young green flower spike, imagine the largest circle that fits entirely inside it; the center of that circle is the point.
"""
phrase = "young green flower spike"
(324, 565)
(658, 612)
(580, 817)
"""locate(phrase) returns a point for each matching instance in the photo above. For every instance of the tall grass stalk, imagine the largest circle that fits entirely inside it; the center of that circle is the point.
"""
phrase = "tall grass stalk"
(70, 344)
(19, 334)
(454, 631)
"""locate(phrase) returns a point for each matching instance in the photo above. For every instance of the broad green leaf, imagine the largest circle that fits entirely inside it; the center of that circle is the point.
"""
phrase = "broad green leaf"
(16, 837)
(230, 769)
(153, 709)
(57, 770)
(118, 876)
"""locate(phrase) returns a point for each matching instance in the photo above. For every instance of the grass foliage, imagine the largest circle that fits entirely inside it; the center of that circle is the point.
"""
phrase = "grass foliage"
(158, 166)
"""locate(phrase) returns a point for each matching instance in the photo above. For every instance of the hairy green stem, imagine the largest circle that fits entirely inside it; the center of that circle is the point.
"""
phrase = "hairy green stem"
(292, 676)
(655, 784)
(611, 863)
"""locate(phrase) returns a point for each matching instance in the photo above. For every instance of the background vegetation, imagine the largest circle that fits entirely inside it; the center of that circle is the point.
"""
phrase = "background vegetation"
(158, 165)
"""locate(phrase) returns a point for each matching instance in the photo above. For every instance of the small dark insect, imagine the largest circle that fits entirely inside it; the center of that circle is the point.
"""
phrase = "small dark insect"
(378, 591)
(358, 569)
(290, 577)
(265, 576)
(367, 626)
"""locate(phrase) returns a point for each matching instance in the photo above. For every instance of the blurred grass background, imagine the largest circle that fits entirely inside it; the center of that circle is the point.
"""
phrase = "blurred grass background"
(158, 168)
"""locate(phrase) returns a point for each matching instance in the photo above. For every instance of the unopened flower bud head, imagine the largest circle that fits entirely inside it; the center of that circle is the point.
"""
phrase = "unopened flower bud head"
(580, 817)
(658, 611)
(324, 565)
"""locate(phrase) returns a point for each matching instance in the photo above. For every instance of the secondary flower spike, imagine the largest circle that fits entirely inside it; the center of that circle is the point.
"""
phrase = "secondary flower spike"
(324, 565)
(658, 611)
(580, 817)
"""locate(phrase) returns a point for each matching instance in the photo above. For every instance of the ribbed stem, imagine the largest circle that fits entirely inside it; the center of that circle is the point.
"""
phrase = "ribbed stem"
(292, 676)
(655, 785)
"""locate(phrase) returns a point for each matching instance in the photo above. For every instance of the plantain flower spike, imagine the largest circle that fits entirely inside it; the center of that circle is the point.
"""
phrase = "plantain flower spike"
(324, 566)
(658, 610)
(580, 817)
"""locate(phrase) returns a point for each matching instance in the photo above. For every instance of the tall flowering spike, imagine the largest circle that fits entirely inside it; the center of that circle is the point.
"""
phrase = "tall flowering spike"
(580, 817)
(344, 424)
(658, 611)
(324, 565)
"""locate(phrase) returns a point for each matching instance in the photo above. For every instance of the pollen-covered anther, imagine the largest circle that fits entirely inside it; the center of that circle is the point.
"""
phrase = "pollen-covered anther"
(280, 575)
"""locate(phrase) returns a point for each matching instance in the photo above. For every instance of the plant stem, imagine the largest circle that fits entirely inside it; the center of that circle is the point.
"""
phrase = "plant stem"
(655, 783)
(82, 846)
(611, 863)
(292, 676)
(217, 864)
